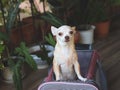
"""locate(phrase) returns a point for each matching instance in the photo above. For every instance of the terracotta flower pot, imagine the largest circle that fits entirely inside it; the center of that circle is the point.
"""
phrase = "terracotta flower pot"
(77, 37)
(102, 29)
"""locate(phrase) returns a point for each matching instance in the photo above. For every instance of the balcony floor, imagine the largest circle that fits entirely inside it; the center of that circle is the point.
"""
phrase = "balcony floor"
(109, 50)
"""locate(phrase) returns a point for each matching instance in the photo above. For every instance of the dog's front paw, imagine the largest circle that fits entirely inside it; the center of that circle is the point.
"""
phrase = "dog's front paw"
(83, 79)
(58, 78)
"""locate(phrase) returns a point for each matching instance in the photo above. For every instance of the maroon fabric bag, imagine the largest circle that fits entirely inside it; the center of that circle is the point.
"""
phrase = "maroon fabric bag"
(88, 63)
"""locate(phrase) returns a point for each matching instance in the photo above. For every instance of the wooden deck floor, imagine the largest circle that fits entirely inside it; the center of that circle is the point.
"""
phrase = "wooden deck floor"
(109, 50)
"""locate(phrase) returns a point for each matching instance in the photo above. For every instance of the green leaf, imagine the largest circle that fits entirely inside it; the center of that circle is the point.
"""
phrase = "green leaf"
(2, 47)
(12, 14)
(50, 39)
(1, 65)
(3, 36)
(53, 19)
(17, 76)
(44, 54)
(22, 50)
(115, 2)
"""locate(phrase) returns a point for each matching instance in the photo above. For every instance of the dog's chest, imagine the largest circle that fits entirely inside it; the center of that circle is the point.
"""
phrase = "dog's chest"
(65, 57)
(66, 62)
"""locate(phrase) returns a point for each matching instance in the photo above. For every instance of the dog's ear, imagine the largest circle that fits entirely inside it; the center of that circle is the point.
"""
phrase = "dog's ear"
(54, 30)
(74, 29)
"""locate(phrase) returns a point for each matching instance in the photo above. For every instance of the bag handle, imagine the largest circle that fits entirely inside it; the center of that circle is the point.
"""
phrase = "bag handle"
(93, 62)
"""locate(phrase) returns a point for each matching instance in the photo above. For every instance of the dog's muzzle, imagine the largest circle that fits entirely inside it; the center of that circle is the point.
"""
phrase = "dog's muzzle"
(67, 38)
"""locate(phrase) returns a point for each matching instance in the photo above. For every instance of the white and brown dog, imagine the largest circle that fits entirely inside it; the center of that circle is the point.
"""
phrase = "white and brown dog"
(65, 62)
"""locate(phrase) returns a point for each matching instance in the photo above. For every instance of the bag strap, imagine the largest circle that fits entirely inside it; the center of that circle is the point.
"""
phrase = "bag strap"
(103, 81)
(50, 75)
(92, 66)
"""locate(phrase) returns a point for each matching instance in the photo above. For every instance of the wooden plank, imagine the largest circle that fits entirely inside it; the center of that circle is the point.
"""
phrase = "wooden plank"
(111, 61)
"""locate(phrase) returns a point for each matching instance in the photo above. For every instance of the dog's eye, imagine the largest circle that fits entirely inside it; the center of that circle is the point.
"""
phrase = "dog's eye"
(71, 32)
(60, 34)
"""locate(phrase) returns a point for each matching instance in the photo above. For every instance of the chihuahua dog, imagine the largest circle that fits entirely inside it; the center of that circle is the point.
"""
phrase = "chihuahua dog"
(65, 62)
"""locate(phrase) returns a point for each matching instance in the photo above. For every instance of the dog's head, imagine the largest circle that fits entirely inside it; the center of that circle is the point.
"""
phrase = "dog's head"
(64, 34)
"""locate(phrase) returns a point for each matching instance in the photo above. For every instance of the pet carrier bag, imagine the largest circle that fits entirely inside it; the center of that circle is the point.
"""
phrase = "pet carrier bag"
(90, 68)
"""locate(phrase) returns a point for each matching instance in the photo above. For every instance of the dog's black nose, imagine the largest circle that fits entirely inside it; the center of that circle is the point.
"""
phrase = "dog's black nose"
(66, 37)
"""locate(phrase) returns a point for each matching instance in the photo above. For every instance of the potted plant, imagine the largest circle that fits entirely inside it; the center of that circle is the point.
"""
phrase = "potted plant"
(46, 14)
(43, 58)
(90, 12)
(102, 18)
(14, 58)
(99, 13)
(42, 54)
(13, 25)
(86, 12)
(65, 13)
(15, 63)
(60, 14)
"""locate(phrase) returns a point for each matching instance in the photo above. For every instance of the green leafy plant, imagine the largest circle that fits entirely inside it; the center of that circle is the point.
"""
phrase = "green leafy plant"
(21, 52)
(49, 38)
(115, 2)
(12, 14)
(2, 48)
(9, 13)
(23, 56)
(16, 61)
(83, 11)
(95, 11)
(44, 55)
